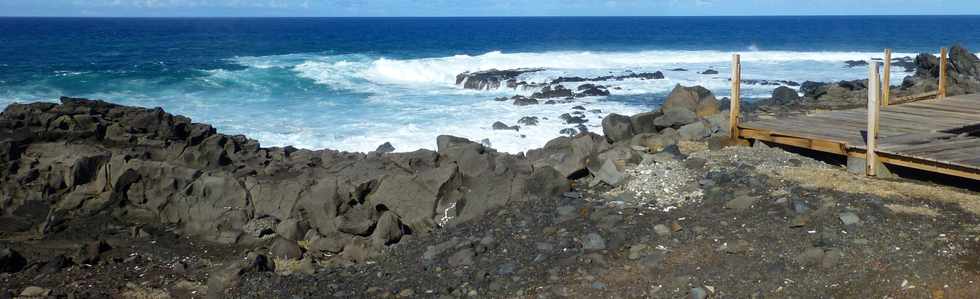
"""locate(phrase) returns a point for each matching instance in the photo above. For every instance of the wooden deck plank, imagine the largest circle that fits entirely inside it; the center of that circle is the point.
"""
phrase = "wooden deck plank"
(911, 135)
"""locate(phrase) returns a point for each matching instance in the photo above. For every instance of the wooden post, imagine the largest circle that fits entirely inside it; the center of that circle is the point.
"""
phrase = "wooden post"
(874, 93)
(886, 79)
(942, 74)
(736, 97)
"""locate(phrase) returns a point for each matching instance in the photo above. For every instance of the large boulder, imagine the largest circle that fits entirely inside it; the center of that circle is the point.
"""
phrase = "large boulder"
(784, 96)
(617, 127)
(675, 117)
(569, 156)
(644, 122)
(696, 99)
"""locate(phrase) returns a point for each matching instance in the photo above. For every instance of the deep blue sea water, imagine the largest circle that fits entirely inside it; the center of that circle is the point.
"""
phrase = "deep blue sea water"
(353, 83)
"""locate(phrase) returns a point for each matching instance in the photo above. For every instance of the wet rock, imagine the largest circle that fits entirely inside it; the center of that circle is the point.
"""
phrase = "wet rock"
(709, 72)
(571, 120)
(502, 126)
(385, 148)
(11, 261)
(591, 90)
(528, 121)
(524, 101)
(555, 91)
(490, 79)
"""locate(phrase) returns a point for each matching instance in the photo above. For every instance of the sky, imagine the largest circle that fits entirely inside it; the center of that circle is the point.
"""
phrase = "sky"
(381, 8)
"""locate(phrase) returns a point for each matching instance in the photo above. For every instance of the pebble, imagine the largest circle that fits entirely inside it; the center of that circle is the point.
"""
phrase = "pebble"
(543, 246)
(698, 293)
(594, 241)
(849, 218)
(406, 293)
(462, 258)
(598, 285)
(506, 268)
(661, 229)
(741, 202)
(33, 291)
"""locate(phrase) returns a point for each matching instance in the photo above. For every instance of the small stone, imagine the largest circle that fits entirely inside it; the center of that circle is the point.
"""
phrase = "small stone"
(598, 285)
(741, 202)
(637, 251)
(35, 292)
(661, 230)
(594, 241)
(506, 268)
(462, 258)
(831, 258)
(799, 221)
(543, 246)
(849, 218)
(810, 256)
(406, 293)
(676, 227)
(698, 293)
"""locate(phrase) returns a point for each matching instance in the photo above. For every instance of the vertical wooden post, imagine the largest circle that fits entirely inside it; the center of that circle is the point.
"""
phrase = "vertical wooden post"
(942, 74)
(874, 93)
(735, 108)
(886, 79)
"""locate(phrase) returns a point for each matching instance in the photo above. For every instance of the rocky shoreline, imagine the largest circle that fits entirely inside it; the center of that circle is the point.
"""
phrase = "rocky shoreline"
(99, 199)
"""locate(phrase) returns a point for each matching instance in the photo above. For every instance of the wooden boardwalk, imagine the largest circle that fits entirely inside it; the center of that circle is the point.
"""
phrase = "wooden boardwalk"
(940, 135)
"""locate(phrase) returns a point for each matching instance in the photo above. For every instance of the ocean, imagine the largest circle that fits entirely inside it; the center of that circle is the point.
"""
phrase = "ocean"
(354, 83)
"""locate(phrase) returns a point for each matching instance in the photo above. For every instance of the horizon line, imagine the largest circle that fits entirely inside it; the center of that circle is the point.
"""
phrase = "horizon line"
(474, 17)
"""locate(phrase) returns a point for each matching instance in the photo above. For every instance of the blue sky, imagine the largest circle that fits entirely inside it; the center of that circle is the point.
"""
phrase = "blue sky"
(163, 8)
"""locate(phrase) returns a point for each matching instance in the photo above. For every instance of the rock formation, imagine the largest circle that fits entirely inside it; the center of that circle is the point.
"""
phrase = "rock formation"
(84, 158)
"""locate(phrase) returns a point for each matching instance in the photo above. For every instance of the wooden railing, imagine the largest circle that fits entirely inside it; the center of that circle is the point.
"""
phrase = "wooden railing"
(940, 93)
(879, 94)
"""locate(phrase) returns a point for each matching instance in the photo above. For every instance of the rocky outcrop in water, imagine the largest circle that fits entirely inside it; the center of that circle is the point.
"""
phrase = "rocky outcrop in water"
(642, 76)
(491, 79)
(963, 70)
(82, 159)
